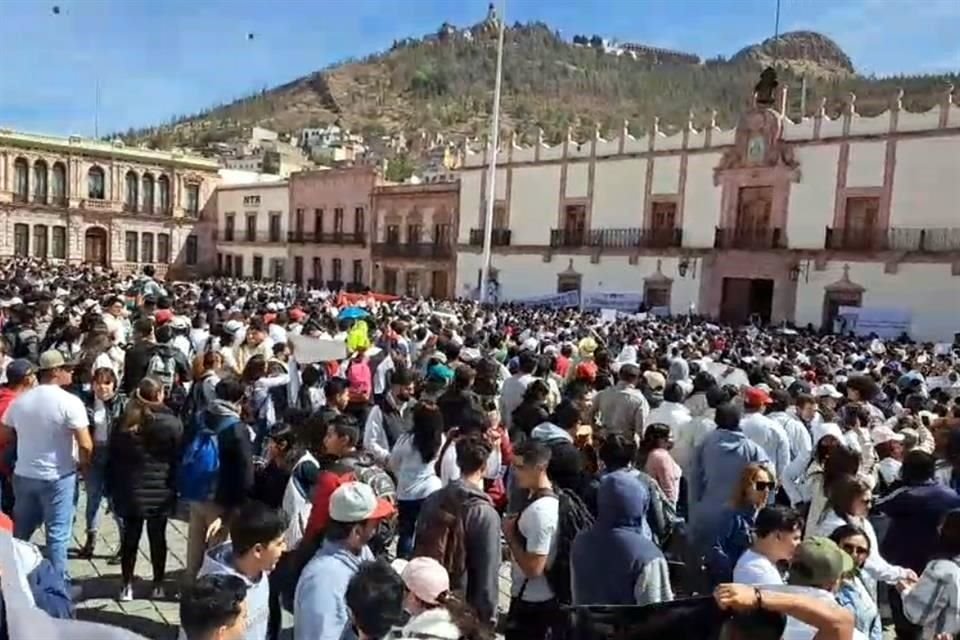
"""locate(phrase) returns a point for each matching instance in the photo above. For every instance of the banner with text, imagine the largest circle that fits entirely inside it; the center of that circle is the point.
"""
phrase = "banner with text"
(622, 301)
(565, 299)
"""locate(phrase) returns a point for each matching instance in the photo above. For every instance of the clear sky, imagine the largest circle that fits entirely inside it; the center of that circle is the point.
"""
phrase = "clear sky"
(157, 58)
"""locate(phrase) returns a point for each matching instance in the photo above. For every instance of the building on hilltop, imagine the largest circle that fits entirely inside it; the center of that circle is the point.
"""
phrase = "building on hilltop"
(810, 222)
(77, 200)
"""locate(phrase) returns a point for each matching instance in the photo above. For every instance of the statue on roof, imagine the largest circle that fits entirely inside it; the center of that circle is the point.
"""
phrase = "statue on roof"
(765, 90)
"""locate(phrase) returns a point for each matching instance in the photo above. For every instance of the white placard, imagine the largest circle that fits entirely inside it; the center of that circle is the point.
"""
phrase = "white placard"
(310, 350)
(608, 316)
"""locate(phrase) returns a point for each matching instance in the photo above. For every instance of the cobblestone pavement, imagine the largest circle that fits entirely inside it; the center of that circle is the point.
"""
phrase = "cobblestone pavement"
(154, 619)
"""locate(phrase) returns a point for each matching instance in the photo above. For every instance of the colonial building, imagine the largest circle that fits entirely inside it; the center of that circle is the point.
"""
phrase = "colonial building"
(778, 219)
(77, 200)
(252, 226)
(413, 239)
(329, 226)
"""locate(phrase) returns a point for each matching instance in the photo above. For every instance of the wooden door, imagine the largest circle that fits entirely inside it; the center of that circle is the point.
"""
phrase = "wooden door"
(735, 300)
(95, 247)
(575, 224)
(753, 214)
(860, 223)
(438, 285)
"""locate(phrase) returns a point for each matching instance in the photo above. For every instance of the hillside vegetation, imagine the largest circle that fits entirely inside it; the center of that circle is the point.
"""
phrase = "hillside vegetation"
(443, 83)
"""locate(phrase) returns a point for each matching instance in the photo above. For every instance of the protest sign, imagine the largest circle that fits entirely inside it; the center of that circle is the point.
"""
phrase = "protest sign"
(310, 350)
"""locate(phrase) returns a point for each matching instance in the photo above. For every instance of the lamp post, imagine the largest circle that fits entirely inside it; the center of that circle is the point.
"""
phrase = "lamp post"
(492, 176)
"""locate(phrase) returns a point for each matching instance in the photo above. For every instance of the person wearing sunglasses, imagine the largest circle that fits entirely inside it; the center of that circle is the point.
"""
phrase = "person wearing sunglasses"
(853, 594)
(778, 533)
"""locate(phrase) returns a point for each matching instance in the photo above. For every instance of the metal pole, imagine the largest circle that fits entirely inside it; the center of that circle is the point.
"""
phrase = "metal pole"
(492, 176)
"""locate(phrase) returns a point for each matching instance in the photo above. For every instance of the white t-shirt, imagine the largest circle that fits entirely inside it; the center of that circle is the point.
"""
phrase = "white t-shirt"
(101, 422)
(754, 569)
(538, 525)
(450, 470)
(45, 418)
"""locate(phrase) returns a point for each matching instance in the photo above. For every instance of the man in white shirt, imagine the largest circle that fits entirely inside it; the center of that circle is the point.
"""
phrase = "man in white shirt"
(49, 422)
(766, 433)
(532, 537)
(778, 533)
(511, 395)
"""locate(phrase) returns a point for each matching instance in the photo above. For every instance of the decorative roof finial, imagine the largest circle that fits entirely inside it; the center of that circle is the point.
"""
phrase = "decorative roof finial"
(948, 93)
(851, 103)
(898, 99)
(625, 131)
(596, 130)
(713, 118)
(690, 117)
(822, 109)
(569, 133)
(540, 136)
(655, 127)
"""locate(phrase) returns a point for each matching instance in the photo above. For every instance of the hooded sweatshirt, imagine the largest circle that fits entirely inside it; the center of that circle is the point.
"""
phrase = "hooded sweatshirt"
(236, 455)
(614, 562)
(219, 561)
(319, 606)
(716, 470)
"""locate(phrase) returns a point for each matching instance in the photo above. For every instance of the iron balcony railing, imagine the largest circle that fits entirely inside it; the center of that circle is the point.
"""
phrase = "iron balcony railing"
(423, 250)
(633, 238)
(498, 237)
(930, 240)
(225, 235)
(750, 238)
(326, 237)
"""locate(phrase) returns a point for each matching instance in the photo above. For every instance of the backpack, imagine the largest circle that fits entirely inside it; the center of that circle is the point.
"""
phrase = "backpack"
(360, 379)
(442, 535)
(164, 369)
(200, 465)
(573, 517)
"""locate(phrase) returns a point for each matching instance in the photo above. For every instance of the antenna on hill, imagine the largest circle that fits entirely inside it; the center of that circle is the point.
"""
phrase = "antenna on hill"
(776, 35)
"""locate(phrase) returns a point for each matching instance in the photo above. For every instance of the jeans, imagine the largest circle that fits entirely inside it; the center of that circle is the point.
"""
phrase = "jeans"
(130, 542)
(48, 503)
(534, 621)
(96, 481)
(407, 513)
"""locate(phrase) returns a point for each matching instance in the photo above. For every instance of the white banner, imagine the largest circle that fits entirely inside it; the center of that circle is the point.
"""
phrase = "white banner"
(863, 321)
(309, 350)
(622, 301)
(565, 299)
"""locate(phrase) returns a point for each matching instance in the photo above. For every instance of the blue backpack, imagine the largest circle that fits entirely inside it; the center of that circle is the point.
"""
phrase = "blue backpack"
(200, 466)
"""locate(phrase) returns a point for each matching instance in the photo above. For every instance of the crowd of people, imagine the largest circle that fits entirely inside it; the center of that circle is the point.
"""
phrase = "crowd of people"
(369, 463)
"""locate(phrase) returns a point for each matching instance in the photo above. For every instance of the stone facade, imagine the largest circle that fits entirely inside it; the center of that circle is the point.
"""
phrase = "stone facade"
(77, 200)
(781, 219)
(415, 227)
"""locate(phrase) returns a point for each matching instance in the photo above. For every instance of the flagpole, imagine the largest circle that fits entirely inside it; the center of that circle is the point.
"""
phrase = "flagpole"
(492, 176)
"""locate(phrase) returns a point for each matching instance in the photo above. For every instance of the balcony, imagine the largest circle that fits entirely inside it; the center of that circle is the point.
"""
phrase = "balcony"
(226, 235)
(633, 238)
(498, 237)
(932, 240)
(420, 250)
(96, 204)
(750, 238)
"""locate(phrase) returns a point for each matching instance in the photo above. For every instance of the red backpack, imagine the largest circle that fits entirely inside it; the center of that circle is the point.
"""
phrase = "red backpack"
(360, 380)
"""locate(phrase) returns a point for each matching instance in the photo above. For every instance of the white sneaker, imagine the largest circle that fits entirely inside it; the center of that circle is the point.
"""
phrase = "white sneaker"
(126, 593)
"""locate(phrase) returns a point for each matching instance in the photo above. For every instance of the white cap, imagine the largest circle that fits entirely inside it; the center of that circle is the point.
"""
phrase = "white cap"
(356, 502)
(824, 429)
(884, 434)
(827, 391)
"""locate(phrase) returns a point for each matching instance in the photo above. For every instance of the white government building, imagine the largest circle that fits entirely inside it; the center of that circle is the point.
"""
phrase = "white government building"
(776, 219)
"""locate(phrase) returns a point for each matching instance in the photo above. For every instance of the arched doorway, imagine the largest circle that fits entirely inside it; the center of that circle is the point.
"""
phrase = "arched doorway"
(95, 246)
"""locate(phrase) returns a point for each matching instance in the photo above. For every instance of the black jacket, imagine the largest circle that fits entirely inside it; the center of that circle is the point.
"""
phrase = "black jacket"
(236, 456)
(395, 424)
(115, 407)
(142, 467)
(137, 360)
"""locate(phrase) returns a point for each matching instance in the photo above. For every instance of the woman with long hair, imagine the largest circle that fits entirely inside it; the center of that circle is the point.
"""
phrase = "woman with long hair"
(831, 461)
(258, 382)
(105, 406)
(853, 593)
(849, 502)
(734, 532)
(933, 602)
(657, 462)
(144, 450)
(435, 611)
(414, 463)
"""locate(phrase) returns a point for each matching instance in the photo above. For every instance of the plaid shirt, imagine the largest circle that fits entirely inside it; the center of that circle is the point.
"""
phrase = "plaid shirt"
(934, 603)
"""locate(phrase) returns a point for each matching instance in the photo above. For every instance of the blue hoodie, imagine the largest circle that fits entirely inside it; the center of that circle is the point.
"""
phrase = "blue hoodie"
(715, 475)
(614, 561)
(219, 561)
(319, 606)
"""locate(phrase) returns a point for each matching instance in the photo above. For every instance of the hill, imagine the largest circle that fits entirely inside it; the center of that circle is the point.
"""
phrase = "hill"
(443, 83)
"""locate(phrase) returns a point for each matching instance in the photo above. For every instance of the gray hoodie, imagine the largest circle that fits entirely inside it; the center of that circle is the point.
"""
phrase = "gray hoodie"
(219, 561)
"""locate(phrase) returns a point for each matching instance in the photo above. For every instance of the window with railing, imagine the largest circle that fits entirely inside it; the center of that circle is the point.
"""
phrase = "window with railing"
(21, 180)
(163, 193)
(229, 222)
(393, 234)
(96, 183)
(58, 184)
(58, 244)
(298, 269)
(21, 240)
(274, 227)
(414, 232)
(338, 221)
(298, 223)
(238, 266)
(317, 270)
(39, 241)
(575, 223)
(163, 248)
(251, 227)
(131, 246)
(193, 199)
(146, 247)
(317, 222)
(40, 182)
(337, 269)
(131, 199)
(148, 193)
(358, 271)
(277, 268)
(358, 222)
(190, 250)
(257, 266)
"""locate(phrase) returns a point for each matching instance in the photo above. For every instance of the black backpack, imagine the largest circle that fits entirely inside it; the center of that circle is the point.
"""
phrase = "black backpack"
(574, 517)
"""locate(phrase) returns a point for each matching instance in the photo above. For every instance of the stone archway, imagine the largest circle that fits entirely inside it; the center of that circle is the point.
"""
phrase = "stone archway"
(96, 246)
(842, 293)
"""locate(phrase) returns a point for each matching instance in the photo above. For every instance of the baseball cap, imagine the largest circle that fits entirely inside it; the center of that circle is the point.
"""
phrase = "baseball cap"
(427, 579)
(654, 379)
(756, 397)
(163, 316)
(828, 391)
(296, 315)
(18, 370)
(356, 502)
(52, 359)
(232, 326)
(880, 434)
(818, 562)
(824, 429)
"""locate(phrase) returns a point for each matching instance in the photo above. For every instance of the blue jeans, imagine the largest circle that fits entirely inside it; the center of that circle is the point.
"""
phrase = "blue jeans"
(407, 513)
(96, 481)
(48, 503)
